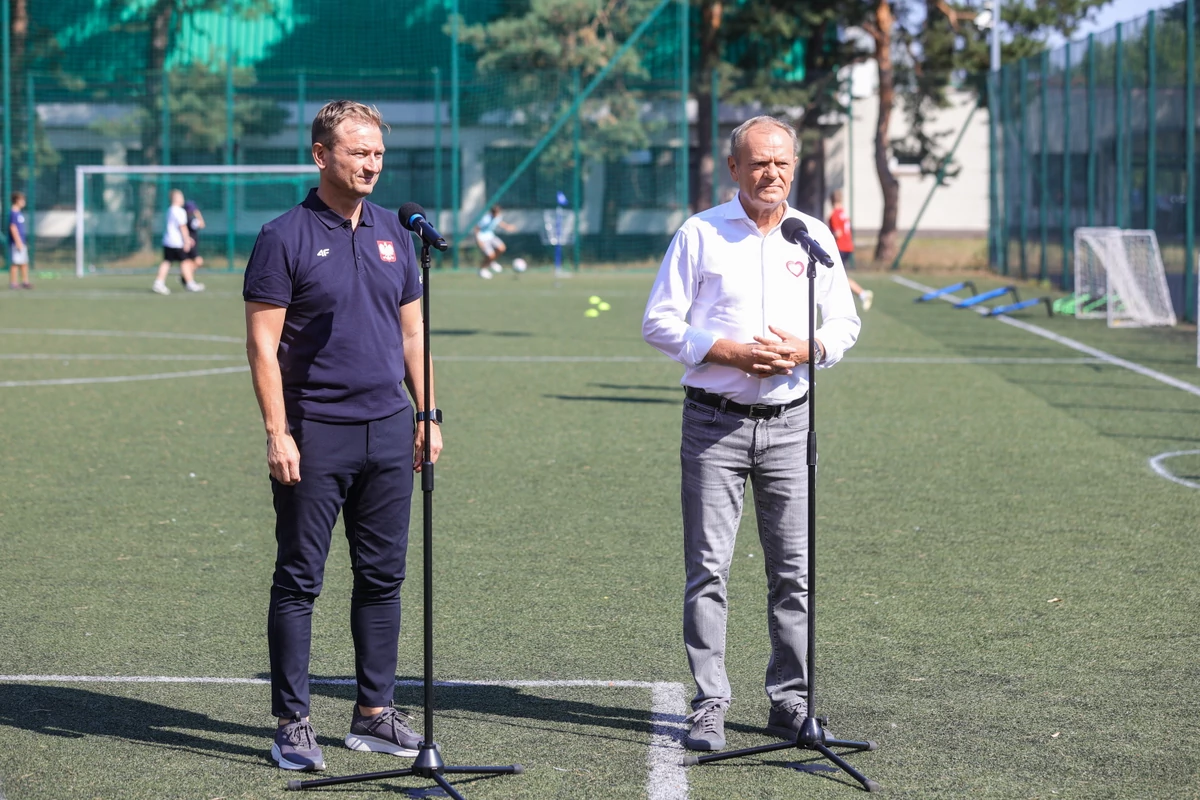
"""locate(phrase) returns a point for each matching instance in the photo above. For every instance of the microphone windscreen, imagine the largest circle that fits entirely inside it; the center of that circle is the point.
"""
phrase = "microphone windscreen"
(408, 211)
(792, 228)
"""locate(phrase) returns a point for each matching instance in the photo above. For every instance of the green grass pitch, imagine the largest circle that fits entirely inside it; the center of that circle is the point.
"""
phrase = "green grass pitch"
(1007, 591)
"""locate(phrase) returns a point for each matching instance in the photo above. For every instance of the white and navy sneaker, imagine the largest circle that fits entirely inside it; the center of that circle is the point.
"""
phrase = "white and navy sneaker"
(386, 732)
(296, 748)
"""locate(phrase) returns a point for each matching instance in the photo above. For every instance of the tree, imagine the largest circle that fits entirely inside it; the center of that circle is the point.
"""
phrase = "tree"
(531, 59)
(940, 47)
(789, 57)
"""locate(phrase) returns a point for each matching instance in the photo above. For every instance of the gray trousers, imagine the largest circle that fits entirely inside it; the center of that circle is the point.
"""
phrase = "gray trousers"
(719, 451)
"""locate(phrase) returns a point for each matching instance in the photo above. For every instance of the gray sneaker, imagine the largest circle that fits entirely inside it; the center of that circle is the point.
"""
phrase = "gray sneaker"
(708, 729)
(386, 732)
(296, 747)
(786, 722)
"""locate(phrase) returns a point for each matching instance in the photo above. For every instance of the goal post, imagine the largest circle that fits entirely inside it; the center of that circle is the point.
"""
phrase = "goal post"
(1119, 275)
(109, 207)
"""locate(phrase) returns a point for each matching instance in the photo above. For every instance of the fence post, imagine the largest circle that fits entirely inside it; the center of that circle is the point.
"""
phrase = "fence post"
(437, 149)
(164, 158)
(31, 182)
(993, 189)
(1091, 127)
(1002, 187)
(685, 161)
(6, 46)
(1044, 178)
(230, 199)
(1119, 131)
(1023, 171)
(577, 173)
(455, 154)
(1189, 133)
(1066, 171)
(1151, 123)
(302, 151)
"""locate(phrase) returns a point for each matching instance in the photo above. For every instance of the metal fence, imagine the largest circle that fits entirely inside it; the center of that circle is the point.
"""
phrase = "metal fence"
(600, 148)
(1099, 132)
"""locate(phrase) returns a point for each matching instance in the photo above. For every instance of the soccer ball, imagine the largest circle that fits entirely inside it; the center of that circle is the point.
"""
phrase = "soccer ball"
(519, 264)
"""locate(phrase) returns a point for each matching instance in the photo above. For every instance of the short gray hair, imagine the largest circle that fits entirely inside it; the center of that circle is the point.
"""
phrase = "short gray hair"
(738, 137)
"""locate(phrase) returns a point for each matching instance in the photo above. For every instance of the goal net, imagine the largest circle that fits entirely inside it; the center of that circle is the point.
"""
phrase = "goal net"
(121, 211)
(1119, 275)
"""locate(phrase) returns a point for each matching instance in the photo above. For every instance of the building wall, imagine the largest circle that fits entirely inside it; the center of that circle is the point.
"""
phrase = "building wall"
(959, 208)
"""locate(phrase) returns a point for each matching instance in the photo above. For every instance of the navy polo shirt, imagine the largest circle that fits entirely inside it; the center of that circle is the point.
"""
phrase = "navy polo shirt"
(341, 353)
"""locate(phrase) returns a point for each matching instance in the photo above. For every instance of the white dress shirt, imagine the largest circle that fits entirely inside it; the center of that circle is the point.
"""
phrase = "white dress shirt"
(723, 279)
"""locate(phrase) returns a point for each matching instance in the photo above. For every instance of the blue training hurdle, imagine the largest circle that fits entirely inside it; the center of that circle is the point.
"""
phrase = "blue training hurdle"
(1033, 301)
(936, 293)
(992, 295)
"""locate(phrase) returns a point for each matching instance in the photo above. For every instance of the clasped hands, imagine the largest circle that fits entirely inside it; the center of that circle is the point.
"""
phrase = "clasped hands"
(776, 356)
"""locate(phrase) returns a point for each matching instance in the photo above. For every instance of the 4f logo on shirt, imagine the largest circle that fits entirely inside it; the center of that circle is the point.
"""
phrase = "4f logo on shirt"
(323, 252)
(387, 251)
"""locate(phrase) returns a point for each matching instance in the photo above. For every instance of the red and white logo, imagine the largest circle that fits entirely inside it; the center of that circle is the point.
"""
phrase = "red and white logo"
(387, 251)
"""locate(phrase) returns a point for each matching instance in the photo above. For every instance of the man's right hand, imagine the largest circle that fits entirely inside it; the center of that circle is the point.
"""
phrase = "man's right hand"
(283, 458)
(752, 358)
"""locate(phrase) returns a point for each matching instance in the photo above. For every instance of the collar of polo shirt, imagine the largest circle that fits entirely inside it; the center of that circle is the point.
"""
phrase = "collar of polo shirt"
(331, 218)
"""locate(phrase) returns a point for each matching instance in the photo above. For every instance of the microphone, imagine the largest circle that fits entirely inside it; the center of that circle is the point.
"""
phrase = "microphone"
(796, 232)
(412, 216)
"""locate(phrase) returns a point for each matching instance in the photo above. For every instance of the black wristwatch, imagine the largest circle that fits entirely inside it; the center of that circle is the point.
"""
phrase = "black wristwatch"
(434, 416)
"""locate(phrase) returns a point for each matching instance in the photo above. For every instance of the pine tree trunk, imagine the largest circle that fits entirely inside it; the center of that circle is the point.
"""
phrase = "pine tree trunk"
(885, 248)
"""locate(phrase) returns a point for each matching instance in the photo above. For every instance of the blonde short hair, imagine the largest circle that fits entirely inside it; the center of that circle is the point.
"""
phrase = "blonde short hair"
(738, 137)
(333, 114)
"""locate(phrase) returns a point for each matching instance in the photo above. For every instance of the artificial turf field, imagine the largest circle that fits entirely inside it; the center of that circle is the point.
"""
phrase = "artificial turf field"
(1007, 592)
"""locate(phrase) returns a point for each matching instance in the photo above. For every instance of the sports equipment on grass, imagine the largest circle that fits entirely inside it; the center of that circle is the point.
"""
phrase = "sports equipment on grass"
(428, 763)
(1017, 305)
(121, 207)
(971, 302)
(519, 265)
(1126, 267)
(951, 289)
(811, 733)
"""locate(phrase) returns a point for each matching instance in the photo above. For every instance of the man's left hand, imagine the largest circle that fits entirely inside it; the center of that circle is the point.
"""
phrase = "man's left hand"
(779, 356)
(435, 445)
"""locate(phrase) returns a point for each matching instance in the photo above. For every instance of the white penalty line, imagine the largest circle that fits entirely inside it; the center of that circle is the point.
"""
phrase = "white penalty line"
(1067, 342)
(666, 777)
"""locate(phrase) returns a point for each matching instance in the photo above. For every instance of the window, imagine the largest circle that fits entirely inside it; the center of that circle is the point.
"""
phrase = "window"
(534, 188)
(645, 179)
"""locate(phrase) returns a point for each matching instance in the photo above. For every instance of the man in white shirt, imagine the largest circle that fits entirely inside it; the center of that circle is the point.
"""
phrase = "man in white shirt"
(729, 294)
(177, 241)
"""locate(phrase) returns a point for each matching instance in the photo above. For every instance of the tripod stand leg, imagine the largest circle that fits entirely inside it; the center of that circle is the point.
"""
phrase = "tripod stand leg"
(850, 744)
(867, 783)
(511, 769)
(446, 787)
(295, 785)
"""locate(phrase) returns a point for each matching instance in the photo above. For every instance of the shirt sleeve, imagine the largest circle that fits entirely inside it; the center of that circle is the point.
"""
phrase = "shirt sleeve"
(839, 318)
(412, 272)
(268, 276)
(665, 326)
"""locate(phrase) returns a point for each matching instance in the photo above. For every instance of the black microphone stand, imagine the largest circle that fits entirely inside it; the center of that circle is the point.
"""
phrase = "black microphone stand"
(812, 735)
(428, 762)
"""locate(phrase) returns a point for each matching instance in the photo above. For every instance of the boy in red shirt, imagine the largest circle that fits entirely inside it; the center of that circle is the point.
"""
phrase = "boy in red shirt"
(839, 224)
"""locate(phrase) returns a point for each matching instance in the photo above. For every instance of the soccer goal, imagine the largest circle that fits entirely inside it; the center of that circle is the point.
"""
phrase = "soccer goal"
(1119, 275)
(120, 210)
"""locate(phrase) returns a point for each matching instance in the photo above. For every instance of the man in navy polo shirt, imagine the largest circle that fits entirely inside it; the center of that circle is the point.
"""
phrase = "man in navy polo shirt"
(333, 328)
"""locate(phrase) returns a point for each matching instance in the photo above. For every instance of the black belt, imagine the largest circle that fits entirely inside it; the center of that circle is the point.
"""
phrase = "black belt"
(756, 411)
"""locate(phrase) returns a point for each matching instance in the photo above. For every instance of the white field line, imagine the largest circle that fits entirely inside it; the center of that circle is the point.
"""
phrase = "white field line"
(157, 376)
(1156, 465)
(666, 778)
(1071, 343)
(111, 357)
(195, 337)
(107, 294)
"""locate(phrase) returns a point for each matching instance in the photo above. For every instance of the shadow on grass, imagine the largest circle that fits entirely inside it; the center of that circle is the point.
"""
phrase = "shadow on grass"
(73, 713)
(673, 387)
(515, 707)
(476, 332)
(596, 398)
